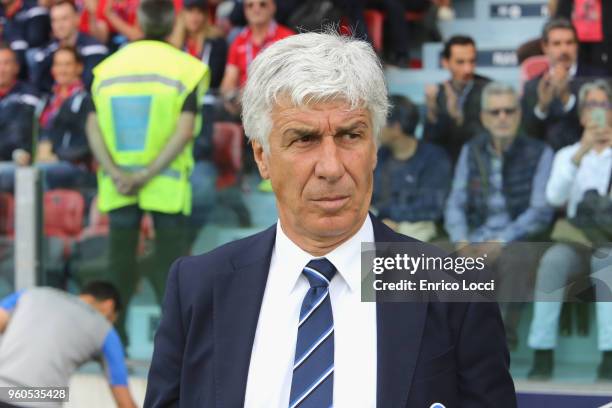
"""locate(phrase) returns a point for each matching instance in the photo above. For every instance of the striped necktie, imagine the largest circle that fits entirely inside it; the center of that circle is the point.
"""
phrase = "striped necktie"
(313, 368)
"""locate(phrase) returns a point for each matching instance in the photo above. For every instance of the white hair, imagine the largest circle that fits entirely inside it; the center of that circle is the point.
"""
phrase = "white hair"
(313, 68)
(496, 88)
(600, 84)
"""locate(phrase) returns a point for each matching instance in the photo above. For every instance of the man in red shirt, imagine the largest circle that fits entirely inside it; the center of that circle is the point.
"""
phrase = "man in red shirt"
(260, 32)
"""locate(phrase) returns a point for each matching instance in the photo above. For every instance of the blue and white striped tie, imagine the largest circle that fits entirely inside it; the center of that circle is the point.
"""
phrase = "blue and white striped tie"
(313, 369)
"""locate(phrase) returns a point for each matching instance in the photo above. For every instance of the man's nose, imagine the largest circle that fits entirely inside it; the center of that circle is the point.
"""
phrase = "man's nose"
(329, 165)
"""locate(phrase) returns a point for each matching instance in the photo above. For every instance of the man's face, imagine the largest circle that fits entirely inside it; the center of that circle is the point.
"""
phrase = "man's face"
(461, 63)
(194, 19)
(64, 22)
(561, 47)
(390, 133)
(8, 68)
(502, 116)
(259, 12)
(321, 164)
(65, 69)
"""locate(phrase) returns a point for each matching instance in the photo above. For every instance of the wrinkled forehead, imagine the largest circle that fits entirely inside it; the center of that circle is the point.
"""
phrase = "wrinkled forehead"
(284, 106)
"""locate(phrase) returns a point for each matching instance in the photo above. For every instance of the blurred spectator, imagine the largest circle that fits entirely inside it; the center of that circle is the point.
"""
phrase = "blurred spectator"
(49, 333)
(497, 196)
(489, 200)
(595, 37)
(528, 49)
(395, 19)
(262, 30)
(533, 47)
(453, 107)
(65, 26)
(141, 134)
(549, 100)
(585, 165)
(63, 152)
(112, 22)
(195, 35)
(412, 177)
(18, 102)
(284, 10)
(23, 25)
(92, 19)
(122, 21)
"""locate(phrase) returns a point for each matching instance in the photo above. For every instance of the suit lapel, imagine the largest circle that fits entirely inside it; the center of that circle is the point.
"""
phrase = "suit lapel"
(400, 328)
(237, 301)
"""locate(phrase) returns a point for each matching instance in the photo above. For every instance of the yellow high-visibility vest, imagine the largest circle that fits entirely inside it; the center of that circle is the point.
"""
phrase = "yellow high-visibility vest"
(139, 93)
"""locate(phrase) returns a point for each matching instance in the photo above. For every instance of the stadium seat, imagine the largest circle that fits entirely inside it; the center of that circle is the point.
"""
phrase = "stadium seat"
(533, 66)
(64, 211)
(7, 214)
(227, 141)
(63, 216)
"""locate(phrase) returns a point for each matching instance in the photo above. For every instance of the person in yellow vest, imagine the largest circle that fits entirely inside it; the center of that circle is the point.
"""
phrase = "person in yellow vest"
(146, 112)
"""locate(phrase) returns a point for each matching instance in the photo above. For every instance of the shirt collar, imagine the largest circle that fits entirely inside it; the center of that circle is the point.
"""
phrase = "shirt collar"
(343, 257)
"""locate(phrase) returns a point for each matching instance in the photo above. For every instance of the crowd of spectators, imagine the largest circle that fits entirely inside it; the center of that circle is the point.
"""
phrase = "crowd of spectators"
(524, 161)
(49, 50)
(494, 164)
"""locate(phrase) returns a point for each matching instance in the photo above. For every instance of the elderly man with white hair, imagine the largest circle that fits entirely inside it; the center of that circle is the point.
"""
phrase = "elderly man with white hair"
(276, 319)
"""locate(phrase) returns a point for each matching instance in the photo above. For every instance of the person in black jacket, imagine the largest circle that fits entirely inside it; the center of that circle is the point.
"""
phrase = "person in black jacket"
(453, 107)
(549, 100)
(594, 53)
(65, 26)
(196, 35)
(24, 24)
(18, 102)
(412, 177)
(63, 151)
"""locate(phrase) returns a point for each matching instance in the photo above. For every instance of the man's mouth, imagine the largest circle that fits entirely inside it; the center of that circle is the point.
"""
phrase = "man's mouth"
(331, 202)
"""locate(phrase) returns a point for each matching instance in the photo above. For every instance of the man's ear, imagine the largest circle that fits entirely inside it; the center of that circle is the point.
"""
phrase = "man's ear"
(444, 63)
(261, 159)
(544, 45)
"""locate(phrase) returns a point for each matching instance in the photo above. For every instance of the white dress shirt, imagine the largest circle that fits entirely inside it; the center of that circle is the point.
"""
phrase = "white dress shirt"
(568, 183)
(272, 357)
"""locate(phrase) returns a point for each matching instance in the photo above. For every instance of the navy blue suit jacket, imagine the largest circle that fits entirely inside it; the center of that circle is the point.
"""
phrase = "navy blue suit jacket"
(452, 353)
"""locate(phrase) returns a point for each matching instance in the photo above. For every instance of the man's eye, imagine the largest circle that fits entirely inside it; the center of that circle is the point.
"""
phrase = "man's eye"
(352, 136)
(305, 138)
